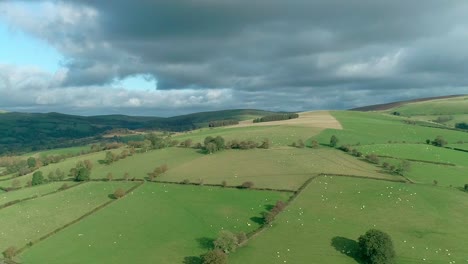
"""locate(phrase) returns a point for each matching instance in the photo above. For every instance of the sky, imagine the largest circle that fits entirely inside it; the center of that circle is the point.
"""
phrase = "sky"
(166, 57)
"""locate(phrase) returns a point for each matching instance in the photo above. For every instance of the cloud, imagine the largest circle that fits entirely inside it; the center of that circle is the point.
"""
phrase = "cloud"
(261, 54)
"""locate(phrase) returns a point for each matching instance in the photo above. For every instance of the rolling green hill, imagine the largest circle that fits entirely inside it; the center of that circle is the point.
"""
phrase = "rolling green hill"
(22, 132)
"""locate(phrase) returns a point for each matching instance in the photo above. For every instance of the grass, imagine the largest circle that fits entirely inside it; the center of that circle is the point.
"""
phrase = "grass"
(444, 175)
(370, 128)
(450, 106)
(58, 151)
(64, 166)
(156, 223)
(286, 168)
(322, 225)
(279, 135)
(32, 219)
(32, 191)
(139, 165)
(418, 151)
(460, 146)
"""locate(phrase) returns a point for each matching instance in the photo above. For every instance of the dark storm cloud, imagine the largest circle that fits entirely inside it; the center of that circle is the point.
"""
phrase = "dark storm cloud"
(269, 53)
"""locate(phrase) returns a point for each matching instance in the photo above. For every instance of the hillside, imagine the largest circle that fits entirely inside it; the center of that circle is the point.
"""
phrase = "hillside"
(21, 132)
(387, 106)
(297, 190)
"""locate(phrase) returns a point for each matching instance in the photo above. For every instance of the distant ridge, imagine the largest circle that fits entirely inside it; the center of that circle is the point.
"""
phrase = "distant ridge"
(381, 107)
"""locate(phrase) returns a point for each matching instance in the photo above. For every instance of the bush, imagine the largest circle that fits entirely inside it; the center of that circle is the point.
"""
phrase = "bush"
(10, 252)
(37, 178)
(439, 141)
(119, 193)
(466, 187)
(214, 256)
(247, 185)
(333, 141)
(226, 241)
(224, 183)
(373, 158)
(376, 247)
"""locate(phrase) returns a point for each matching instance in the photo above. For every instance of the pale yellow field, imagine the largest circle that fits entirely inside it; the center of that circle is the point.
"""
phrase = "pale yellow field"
(319, 119)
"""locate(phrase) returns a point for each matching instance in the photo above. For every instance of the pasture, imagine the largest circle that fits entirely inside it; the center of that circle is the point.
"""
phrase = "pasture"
(447, 106)
(32, 219)
(280, 168)
(427, 224)
(156, 223)
(32, 191)
(279, 135)
(418, 151)
(372, 128)
(139, 165)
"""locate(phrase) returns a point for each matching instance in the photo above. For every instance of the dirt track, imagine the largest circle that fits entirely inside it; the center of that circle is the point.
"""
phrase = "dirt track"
(320, 119)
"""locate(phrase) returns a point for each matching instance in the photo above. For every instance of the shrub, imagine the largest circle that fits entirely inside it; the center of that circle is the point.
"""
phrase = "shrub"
(376, 247)
(226, 241)
(314, 144)
(10, 252)
(466, 187)
(214, 256)
(439, 141)
(109, 176)
(119, 193)
(37, 178)
(224, 183)
(247, 185)
(373, 158)
(333, 141)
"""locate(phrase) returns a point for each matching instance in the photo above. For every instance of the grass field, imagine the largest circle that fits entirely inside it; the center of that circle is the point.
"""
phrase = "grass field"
(427, 224)
(64, 166)
(450, 106)
(139, 165)
(29, 220)
(369, 128)
(279, 135)
(285, 168)
(418, 151)
(32, 191)
(460, 146)
(444, 175)
(58, 151)
(157, 223)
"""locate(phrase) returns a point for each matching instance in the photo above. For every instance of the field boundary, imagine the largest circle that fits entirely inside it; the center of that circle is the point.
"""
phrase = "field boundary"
(33, 242)
(421, 161)
(227, 187)
(5, 205)
(293, 197)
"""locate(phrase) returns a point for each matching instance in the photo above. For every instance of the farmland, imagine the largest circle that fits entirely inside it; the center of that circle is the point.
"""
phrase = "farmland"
(323, 223)
(156, 223)
(332, 196)
(32, 219)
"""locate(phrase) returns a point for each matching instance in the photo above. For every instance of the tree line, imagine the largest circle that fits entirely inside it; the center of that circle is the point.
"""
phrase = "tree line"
(220, 123)
(276, 117)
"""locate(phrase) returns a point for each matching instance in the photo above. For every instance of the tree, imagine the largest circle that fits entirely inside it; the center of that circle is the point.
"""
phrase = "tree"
(265, 144)
(51, 176)
(314, 144)
(403, 167)
(373, 158)
(439, 141)
(210, 148)
(213, 145)
(10, 252)
(300, 143)
(109, 157)
(82, 174)
(466, 187)
(376, 247)
(31, 162)
(37, 178)
(119, 193)
(215, 256)
(59, 174)
(126, 176)
(247, 185)
(109, 176)
(333, 141)
(15, 184)
(226, 241)
(187, 143)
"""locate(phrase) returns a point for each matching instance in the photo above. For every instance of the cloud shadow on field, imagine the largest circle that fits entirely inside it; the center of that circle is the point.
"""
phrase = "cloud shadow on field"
(347, 247)
(205, 242)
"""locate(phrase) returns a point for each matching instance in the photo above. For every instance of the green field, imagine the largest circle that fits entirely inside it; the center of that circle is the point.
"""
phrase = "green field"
(58, 151)
(32, 191)
(418, 151)
(279, 135)
(427, 224)
(157, 223)
(450, 106)
(460, 146)
(281, 168)
(65, 166)
(370, 128)
(32, 219)
(139, 165)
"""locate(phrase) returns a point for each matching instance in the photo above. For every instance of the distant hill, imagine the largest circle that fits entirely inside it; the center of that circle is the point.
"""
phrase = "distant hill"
(387, 106)
(31, 131)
